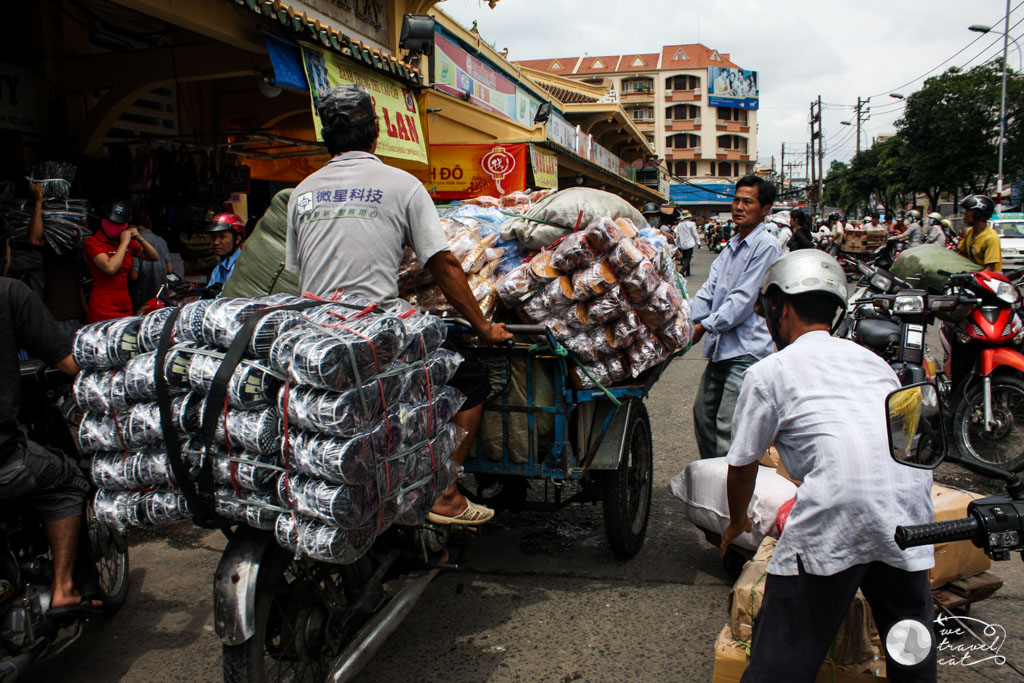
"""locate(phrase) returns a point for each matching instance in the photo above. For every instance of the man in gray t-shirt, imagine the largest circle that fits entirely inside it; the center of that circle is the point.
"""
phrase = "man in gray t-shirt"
(348, 224)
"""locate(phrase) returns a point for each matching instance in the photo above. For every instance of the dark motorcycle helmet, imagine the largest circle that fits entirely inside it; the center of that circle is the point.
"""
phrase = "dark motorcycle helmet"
(117, 211)
(982, 206)
(650, 209)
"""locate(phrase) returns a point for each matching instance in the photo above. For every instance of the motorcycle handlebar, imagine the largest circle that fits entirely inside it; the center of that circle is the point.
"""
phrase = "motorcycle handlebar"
(526, 329)
(965, 529)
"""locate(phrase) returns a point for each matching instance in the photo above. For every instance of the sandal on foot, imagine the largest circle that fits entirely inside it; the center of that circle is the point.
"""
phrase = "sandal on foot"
(471, 516)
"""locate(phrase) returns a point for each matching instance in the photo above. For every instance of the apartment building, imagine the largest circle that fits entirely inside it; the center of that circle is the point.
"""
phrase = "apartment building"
(695, 105)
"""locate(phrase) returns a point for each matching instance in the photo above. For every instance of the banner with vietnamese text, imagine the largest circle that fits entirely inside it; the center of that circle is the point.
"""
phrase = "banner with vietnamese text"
(545, 167)
(464, 171)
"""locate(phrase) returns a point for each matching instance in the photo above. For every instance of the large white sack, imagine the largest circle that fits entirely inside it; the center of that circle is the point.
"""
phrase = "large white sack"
(563, 209)
(702, 488)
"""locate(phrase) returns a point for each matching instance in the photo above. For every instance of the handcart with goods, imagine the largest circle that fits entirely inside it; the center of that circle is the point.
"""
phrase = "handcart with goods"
(859, 243)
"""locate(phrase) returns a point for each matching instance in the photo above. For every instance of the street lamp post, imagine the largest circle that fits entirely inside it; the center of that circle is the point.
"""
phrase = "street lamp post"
(1002, 102)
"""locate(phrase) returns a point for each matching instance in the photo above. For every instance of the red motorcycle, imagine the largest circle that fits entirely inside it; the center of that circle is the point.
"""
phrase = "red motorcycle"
(984, 369)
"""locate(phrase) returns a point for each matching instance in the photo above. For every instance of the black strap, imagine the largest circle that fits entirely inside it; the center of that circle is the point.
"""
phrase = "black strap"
(200, 501)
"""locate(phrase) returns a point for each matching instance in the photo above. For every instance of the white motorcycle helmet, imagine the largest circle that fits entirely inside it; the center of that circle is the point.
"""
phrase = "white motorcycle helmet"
(803, 271)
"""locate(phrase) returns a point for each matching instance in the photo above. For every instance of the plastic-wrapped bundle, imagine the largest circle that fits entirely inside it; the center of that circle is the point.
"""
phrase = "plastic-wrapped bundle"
(340, 461)
(92, 389)
(439, 369)
(257, 431)
(678, 333)
(99, 432)
(107, 344)
(189, 325)
(645, 354)
(572, 253)
(421, 422)
(662, 306)
(558, 294)
(251, 385)
(596, 372)
(139, 379)
(119, 401)
(249, 471)
(625, 257)
(339, 310)
(258, 510)
(625, 330)
(426, 334)
(152, 327)
(583, 346)
(641, 281)
(126, 471)
(515, 285)
(126, 509)
(605, 308)
(350, 506)
(342, 414)
(225, 317)
(592, 281)
(176, 364)
(323, 542)
(539, 307)
(343, 356)
(617, 367)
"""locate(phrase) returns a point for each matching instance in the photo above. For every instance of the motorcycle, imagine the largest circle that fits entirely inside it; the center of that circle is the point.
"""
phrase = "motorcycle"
(28, 633)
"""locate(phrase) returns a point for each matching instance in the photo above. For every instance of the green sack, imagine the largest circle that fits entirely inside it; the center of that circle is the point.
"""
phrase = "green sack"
(260, 266)
(920, 266)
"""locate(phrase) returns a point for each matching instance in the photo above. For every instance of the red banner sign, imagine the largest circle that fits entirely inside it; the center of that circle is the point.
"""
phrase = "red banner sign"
(464, 171)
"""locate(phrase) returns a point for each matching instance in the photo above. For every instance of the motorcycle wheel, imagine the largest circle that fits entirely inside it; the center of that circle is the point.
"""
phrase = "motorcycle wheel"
(300, 625)
(110, 552)
(1003, 445)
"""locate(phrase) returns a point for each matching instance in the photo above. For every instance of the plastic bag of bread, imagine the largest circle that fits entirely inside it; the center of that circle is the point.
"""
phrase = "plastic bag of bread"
(592, 280)
(539, 308)
(541, 268)
(641, 281)
(617, 367)
(625, 330)
(603, 234)
(562, 327)
(661, 306)
(626, 256)
(559, 293)
(596, 371)
(607, 307)
(573, 252)
(470, 251)
(645, 354)
(515, 285)
(583, 346)
(483, 200)
(678, 333)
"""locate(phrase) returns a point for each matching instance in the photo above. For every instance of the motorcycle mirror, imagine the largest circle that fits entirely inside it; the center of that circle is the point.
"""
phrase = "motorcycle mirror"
(917, 435)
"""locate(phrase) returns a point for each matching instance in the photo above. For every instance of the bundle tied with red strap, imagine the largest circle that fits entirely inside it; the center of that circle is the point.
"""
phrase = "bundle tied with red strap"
(322, 421)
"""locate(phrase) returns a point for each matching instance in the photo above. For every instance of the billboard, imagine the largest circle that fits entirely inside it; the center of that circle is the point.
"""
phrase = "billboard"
(733, 88)
(464, 171)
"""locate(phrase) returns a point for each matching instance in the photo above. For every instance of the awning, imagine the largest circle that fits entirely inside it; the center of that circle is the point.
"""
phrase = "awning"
(694, 193)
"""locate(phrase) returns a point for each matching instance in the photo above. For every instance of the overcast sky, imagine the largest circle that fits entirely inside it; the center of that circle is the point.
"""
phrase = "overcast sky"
(801, 48)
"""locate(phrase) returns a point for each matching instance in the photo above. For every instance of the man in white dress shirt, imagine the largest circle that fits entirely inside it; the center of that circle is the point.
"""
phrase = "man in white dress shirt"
(821, 401)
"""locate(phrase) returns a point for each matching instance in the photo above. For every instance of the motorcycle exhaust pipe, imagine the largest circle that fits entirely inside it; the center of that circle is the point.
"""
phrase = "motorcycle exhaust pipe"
(366, 643)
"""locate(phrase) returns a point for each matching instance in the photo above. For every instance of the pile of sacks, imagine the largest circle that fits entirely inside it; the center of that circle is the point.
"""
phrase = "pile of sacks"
(609, 293)
(333, 426)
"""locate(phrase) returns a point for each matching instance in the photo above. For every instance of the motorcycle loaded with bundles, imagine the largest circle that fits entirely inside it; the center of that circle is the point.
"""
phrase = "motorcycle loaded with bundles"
(28, 630)
(315, 434)
(981, 381)
(994, 524)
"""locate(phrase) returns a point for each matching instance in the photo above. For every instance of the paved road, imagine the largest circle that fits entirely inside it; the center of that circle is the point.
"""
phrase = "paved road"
(537, 598)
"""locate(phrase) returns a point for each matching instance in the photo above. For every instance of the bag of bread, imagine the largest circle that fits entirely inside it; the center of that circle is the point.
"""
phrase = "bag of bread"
(661, 306)
(597, 371)
(645, 354)
(583, 346)
(559, 293)
(603, 234)
(641, 282)
(572, 252)
(625, 330)
(625, 256)
(605, 308)
(592, 280)
(626, 227)
(678, 333)
(617, 367)
(515, 285)
(467, 247)
(541, 268)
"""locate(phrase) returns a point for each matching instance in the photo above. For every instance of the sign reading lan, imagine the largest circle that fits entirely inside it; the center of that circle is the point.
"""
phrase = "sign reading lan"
(733, 88)
(401, 135)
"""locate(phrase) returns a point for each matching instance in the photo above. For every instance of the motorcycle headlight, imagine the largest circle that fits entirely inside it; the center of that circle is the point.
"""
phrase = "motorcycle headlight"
(908, 304)
(1004, 291)
(880, 282)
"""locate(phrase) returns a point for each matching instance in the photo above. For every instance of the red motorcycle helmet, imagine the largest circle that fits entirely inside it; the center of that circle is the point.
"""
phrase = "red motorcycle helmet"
(223, 222)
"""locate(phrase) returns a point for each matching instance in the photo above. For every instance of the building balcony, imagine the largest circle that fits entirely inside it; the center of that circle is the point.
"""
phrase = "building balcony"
(732, 127)
(682, 124)
(644, 124)
(637, 96)
(733, 154)
(683, 154)
(683, 95)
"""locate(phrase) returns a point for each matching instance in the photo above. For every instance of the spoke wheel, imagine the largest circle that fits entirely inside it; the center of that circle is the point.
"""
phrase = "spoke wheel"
(627, 490)
(301, 623)
(110, 553)
(1001, 443)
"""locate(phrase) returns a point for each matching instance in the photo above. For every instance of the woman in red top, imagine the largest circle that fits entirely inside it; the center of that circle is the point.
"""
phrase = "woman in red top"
(110, 252)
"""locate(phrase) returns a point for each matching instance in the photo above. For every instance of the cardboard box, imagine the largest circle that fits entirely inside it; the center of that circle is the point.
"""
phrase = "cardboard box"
(772, 459)
(959, 559)
(731, 660)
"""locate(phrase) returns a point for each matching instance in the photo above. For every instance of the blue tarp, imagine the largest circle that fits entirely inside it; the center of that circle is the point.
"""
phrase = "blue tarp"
(287, 62)
(696, 193)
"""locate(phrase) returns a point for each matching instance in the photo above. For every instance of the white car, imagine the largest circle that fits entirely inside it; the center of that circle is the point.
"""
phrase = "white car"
(1010, 228)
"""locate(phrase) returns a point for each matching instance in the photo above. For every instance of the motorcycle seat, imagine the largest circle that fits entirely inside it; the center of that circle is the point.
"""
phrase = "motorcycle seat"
(877, 334)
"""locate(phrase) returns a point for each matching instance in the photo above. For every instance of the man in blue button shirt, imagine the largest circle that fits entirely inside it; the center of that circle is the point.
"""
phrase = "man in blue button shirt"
(227, 231)
(724, 310)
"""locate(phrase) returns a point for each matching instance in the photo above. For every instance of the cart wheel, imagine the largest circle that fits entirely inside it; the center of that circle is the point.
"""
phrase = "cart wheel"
(627, 490)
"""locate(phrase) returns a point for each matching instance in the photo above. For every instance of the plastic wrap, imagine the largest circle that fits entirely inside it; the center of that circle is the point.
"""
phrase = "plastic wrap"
(541, 268)
(641, 281)
(469, 250)
(107, 344)
(626, 256)
(592, 281)
(645, 354)
(92, 388)
(661, 306)
(119, 402)
(626, 330)
(604, 233)
(583, 346)
(342, 356)
(269, 328)
(127, 509)
(189, 325)
(558, 294)
(139, 379)
(342, 414)
(515, 285)
(339, 461)
(422, 421)
(678, 333)
(572, 253)
(439, 369)
(323, 542)
(602, 310)
(258, 510)
(152, 327)
(245, 470)
(126, 471)
(257, 431)
(224, 318)
(597, 371)
(251, 385)
(176, 364)
(350, 506)
(617, 367)
(425, 335)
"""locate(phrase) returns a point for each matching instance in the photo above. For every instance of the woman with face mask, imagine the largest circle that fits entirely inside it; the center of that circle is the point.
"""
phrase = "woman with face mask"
(110, 252)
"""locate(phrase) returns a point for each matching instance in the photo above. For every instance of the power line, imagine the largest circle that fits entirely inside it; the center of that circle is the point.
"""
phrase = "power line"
(954, 56)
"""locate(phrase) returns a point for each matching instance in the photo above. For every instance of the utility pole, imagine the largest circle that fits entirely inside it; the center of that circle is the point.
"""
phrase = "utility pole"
(816, 136)
(1002, 111)
(821, 162)
(863, 114)
(807, 168)
(782, 170)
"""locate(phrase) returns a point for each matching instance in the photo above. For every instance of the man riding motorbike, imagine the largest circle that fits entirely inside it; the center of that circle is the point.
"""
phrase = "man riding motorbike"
(980, 242)
(227, 232)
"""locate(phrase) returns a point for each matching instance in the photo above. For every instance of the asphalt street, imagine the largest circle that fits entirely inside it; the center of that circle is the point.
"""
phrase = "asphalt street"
(537, 597)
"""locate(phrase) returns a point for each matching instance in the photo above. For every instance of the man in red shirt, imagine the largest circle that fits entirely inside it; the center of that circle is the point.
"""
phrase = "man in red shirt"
(110, 252)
